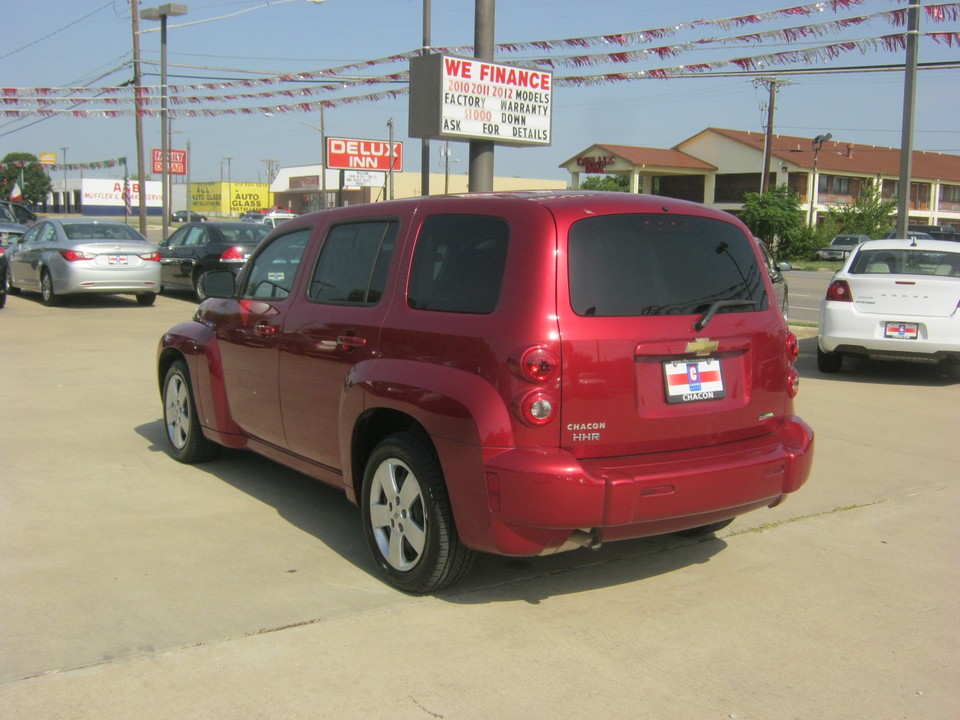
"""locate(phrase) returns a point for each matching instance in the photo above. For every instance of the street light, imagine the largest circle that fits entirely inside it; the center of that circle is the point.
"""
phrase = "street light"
(162, 13)
(818, 142)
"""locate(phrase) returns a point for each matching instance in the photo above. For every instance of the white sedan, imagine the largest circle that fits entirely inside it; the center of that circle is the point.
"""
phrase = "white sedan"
(893, 300)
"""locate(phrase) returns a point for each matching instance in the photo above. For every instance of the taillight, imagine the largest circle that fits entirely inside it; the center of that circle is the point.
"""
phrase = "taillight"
(234, 254)
(793, 348)
(537, 364)
(839, 291)
(793, 382)
(150, 257)
(537, 408)
(74, 255)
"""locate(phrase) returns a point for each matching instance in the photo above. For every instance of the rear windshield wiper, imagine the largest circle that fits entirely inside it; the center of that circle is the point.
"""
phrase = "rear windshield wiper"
(715, 308)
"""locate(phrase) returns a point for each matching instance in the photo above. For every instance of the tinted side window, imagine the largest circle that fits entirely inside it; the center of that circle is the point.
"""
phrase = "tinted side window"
(458, 264)
(272, 273)
(352, 267)
(627, 265)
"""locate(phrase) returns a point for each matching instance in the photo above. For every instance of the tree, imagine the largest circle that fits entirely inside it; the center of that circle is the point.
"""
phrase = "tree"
(614, 183)
(34, 183)
(869, 215)
(776, 216)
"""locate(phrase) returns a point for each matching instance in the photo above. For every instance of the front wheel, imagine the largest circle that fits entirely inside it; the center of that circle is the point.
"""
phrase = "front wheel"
(184, 435)
(407, 519)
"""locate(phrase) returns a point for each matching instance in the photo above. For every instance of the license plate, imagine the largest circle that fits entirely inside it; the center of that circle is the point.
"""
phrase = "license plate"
(693, 380)
(117, 259)
(901, 331)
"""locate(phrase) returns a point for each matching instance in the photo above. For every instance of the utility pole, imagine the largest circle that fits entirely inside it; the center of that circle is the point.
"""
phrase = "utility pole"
(909, 104)
(138, 118)
(772, 85)
(425, 142)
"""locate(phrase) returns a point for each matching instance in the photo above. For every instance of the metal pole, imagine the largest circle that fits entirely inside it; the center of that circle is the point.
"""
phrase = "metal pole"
(138, 118)
(390, 156)
(323, 163)
(189, 189)
(481, 151)
(66, 196)
(164, 143)
(425, 142)
(909, 105)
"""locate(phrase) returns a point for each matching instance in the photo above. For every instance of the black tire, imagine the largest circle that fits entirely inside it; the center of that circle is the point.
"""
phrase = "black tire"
(146, 299)
(407, 519)
(829, 362)
(185, 438)
(198, 293)
(47, 295)
(3, 286)
(708, 529)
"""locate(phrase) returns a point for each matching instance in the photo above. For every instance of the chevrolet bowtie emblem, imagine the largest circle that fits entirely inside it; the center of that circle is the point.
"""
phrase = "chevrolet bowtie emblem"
(702, 346)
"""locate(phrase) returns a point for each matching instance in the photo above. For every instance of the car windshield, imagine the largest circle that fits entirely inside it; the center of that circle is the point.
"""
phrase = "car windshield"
(101, 231)
(907, 261)
(841, 240)
(6, 214)
(629, 265)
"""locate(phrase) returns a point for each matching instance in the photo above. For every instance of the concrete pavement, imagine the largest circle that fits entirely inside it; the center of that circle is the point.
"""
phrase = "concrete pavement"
(135, 587)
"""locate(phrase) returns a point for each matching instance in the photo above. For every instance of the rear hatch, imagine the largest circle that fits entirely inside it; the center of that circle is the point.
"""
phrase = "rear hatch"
(905, 282)
(669, 339)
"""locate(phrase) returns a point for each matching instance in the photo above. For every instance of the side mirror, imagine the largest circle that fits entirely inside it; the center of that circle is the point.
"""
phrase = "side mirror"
(218, 284)
(784, 266)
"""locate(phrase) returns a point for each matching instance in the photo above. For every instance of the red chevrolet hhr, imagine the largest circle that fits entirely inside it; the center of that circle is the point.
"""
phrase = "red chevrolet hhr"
(513, 373)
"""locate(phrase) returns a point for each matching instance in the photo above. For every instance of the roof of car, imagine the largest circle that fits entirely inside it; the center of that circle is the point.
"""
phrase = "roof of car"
(904, 244)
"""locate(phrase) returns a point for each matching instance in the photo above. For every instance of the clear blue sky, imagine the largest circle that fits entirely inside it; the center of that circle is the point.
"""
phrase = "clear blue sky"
(64, 43)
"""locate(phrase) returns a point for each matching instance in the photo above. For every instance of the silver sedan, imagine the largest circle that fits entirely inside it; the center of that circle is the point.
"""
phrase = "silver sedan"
(80, 256)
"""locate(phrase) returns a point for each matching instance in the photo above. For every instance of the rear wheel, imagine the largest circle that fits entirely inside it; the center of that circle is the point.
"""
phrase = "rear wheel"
(184, 434)
(146, 298)
(47, 295)
(829, 362)
(407, 519)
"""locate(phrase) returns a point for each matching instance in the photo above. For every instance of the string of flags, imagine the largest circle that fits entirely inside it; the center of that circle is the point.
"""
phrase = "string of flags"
(118, 102)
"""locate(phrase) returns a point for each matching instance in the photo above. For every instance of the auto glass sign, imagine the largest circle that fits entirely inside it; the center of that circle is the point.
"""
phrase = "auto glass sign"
(455, 98)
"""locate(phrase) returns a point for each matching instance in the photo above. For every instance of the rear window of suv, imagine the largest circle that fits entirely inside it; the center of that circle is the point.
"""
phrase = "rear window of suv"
(645, 264)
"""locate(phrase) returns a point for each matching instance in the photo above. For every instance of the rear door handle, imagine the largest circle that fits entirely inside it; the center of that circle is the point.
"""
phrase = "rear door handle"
(264, 330)
(351, 341)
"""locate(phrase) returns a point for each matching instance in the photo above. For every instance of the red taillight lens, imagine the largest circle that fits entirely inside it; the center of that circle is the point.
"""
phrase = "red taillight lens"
(537, 408)
(839, 291)
(234, 254)
(150, 257)
(793, 348)
(537, 364)
(74, 255)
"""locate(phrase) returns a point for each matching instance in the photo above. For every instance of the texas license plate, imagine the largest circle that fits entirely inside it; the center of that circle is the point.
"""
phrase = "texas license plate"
(693, 380)
(117, 259)
(901, 331)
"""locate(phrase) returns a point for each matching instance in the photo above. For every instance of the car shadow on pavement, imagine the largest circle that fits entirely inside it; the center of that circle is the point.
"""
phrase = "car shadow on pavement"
(325, 513)
(880, 372)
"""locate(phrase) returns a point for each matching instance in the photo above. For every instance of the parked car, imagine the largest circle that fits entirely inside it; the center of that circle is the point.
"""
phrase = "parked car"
(513, 373)
(251, 216)
(197, 248)
(10, 230)
(21, 214)
(82, 256)
(183, 216)
(840, 247)
(893, 300)
(937, 232)
(775, 270)
(276, 217)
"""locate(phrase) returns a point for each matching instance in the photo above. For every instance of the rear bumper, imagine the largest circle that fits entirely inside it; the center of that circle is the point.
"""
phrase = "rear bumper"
(845, 330)
(538, 499)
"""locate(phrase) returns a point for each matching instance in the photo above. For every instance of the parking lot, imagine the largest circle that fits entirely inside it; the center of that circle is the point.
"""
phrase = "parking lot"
(132, 586)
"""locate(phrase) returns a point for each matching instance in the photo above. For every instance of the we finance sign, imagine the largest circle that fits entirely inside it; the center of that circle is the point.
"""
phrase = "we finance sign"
(350, 154)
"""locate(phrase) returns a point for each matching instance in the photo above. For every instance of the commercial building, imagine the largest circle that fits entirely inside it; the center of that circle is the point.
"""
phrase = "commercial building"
(717, 167)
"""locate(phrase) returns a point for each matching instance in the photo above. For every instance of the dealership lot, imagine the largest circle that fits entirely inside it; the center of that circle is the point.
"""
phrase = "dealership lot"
(132, 586)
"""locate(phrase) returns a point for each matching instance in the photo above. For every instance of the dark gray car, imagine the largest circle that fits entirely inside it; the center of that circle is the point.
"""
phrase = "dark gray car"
(840, 246)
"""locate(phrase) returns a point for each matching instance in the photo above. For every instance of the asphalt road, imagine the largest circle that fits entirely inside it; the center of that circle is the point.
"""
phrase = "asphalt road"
(806, 290)
(132, 586)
